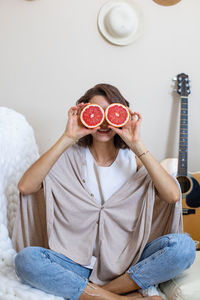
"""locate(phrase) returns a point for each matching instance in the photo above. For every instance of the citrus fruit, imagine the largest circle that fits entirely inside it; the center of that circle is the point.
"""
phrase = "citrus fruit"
(117, 114)
(92, 115)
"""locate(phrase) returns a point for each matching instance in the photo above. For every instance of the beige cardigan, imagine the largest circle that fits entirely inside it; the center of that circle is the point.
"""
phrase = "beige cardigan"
(65, 217)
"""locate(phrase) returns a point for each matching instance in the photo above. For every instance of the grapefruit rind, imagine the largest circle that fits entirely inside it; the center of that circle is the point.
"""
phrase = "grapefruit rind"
(125, 109)
(84, 110)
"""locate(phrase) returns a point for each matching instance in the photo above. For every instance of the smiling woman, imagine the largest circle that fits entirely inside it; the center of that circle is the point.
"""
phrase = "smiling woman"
(105, 209)
(103, 95)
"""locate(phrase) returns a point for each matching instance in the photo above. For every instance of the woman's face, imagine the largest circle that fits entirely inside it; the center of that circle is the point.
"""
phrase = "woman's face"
(104, 134)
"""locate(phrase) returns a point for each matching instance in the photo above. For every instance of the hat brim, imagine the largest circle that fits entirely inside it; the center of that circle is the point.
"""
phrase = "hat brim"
(120, 41)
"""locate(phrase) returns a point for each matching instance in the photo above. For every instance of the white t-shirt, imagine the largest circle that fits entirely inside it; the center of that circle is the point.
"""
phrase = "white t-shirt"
(103, 182)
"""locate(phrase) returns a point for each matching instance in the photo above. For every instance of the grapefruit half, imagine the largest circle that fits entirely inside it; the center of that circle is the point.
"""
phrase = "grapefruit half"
(92, 115)
(117, 114)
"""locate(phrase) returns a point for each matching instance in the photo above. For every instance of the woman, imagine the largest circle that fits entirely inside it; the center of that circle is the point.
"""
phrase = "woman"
(112, 221)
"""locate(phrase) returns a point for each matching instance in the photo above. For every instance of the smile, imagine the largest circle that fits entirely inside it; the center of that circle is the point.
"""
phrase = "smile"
(106, 130)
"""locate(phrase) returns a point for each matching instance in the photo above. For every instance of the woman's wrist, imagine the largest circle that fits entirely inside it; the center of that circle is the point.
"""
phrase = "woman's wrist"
(67, 141)
(139, 148)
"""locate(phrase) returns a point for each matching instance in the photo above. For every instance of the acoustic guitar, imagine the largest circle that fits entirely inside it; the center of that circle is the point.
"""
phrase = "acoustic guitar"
(189, 182)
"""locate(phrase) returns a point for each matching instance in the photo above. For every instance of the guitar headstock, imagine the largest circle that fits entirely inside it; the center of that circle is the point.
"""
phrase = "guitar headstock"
(183, 84)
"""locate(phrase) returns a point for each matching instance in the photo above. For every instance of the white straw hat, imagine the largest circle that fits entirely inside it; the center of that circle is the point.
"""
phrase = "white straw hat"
(119, 21)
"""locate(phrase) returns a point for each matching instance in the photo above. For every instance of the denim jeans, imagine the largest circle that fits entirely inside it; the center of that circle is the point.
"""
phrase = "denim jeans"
(163, 259)
(54, 273)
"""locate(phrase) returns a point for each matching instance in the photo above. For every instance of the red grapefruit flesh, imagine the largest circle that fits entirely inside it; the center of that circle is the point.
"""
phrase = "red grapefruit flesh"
(92, 115)
(117, 114)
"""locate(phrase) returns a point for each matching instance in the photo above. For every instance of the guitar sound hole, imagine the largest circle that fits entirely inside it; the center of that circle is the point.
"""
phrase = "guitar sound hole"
(185, 183)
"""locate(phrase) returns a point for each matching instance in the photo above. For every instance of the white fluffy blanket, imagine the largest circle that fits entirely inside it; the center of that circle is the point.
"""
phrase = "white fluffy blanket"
(18, 150)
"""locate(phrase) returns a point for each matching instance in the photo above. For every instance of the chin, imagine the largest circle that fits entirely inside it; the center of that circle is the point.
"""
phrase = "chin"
(103, 138)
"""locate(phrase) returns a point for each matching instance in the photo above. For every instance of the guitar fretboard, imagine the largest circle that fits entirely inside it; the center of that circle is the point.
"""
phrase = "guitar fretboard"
(183, 138)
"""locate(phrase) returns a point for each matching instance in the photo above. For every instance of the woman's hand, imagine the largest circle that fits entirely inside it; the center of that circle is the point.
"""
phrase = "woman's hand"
(130, 133)
(75, 129)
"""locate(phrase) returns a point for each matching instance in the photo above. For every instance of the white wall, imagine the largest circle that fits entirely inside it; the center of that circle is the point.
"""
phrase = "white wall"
(51, 52)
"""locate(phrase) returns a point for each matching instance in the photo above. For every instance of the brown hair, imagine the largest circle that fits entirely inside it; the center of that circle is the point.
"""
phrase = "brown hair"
(113, 95)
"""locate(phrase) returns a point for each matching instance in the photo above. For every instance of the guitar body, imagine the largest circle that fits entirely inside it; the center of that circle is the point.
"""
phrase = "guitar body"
(191, 208)
(190, 198)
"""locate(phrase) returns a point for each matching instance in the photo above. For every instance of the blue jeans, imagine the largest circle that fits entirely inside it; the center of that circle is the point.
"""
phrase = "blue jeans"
(54, 273)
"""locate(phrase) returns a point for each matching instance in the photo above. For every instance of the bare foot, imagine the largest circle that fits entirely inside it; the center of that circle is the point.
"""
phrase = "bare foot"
(93, 291)
(134, 295)
(153, 298)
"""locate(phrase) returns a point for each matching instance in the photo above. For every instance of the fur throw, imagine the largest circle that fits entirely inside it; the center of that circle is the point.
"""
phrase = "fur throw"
(18, 150)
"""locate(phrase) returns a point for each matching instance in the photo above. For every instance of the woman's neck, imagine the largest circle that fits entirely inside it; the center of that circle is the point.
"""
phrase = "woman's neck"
(104, 153)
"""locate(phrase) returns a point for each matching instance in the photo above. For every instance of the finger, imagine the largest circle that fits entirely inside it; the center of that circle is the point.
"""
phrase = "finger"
(87, 131)
(136, 117)
(81, 104)
(130, 111)
(139, 118)
(74, 112)
(77, 107)
(93, 130)
(72, 108)
(132, 115)
(115, 129)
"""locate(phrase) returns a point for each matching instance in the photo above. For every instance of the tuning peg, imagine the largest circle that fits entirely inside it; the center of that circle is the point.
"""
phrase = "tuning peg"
(174, 78)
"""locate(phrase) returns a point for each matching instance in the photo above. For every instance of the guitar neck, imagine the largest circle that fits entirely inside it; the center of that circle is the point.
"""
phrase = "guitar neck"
(183, 138)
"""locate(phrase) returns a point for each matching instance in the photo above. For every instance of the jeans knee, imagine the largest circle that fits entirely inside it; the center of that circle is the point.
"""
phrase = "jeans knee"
(25, 260)
(183, 249)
